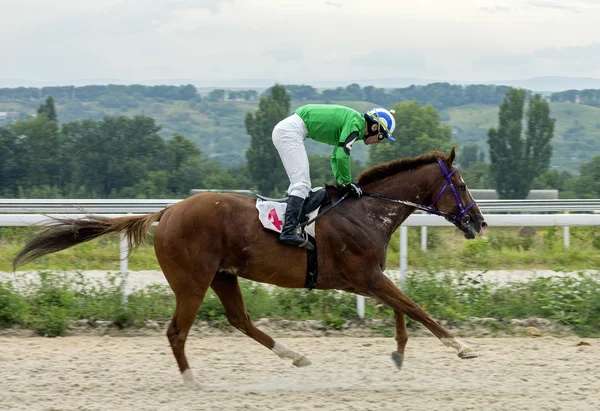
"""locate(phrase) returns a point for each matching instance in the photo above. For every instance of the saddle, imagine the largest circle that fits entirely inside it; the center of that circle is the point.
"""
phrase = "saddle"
(271, 211)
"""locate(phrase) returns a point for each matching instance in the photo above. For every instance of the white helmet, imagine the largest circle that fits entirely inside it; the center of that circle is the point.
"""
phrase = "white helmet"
(385, 119)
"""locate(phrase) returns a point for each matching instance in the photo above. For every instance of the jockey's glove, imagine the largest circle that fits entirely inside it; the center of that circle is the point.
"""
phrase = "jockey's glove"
(353, 190)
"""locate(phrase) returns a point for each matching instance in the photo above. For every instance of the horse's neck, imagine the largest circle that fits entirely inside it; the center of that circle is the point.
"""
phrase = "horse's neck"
(387, 215)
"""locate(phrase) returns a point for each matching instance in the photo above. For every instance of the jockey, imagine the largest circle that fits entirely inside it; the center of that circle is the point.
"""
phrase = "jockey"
(335, 125)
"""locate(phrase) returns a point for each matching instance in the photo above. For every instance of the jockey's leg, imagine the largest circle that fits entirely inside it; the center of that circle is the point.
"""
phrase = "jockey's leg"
(288, 139)
(291, 232)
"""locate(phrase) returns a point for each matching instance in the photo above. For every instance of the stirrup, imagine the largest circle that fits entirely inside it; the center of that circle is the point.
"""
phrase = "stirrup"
(306, 244)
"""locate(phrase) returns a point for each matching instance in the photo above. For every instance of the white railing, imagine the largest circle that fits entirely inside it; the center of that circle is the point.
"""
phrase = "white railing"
(37, 212)
(153, 205)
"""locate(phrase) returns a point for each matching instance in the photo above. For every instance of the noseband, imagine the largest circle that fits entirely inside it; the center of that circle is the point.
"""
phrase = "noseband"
(460, 218)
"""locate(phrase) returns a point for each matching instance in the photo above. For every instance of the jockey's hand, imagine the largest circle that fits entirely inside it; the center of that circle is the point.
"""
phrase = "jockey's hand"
(353, 190)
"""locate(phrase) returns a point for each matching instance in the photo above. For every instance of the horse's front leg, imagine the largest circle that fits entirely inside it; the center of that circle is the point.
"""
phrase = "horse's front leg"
(401, 338)
(383, 289)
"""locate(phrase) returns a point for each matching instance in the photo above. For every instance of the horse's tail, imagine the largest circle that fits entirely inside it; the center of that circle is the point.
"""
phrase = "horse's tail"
(63, 233)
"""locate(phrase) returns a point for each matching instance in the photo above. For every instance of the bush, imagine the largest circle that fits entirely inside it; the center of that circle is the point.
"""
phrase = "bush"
(13, 307)
(49, 306)
(53, 321)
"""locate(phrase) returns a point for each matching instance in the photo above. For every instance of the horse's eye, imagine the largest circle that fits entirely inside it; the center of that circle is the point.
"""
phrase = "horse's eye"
(462, 187)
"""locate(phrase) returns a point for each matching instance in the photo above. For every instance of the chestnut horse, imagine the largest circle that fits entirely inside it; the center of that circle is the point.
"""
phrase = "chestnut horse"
(211, 239)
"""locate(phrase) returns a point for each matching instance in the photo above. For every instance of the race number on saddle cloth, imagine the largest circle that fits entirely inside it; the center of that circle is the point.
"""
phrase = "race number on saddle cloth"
(271, 212)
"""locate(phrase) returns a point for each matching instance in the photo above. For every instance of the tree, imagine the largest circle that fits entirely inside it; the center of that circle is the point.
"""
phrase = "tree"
(552, 180)
(516, 160)
(468, 155)
(115, 153)
(9, 163)
(477, 175)
(588, 183)
(48, 109)
(302, 92)
(216, 95)
(264, 165)
(179, 153)
(187, 92)
(37, 147)
(418, 130)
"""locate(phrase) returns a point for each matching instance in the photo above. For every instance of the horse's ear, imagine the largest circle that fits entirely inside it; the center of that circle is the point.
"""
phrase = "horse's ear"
(452, 155)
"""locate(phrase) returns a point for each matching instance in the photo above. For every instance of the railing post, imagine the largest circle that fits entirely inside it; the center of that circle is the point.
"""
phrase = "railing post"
(360, 306)
(424, 238)
(124, 264)
(403, 255)
(566, 234)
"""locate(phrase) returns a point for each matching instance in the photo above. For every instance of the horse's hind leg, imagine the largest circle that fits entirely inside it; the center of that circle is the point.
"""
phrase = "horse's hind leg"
(189, 287)
(227, 288)
(187, 305)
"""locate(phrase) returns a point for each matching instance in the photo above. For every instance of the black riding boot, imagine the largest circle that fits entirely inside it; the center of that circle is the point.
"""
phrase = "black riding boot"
(291, 232)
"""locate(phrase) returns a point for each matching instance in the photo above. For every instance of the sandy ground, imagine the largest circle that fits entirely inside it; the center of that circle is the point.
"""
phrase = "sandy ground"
(235, 373)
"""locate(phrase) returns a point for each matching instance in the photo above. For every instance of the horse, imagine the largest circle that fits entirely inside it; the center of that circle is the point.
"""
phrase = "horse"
(211, 239)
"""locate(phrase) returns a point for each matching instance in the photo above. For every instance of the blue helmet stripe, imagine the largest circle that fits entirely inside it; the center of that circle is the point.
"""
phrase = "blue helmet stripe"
(386, 117)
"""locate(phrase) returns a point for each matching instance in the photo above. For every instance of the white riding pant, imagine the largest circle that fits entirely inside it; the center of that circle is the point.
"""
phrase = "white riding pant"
(288, 137)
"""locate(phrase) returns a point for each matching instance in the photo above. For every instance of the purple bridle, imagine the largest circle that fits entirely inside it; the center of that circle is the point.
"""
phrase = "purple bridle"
(461, 218)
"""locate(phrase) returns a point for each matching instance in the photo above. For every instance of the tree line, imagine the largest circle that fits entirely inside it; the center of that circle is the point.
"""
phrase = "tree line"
(439, 95)
(587, 97)
(116, 157)
(125, 157)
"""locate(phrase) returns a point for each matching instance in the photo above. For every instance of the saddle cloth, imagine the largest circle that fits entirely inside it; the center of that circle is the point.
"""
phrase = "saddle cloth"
(271, 213)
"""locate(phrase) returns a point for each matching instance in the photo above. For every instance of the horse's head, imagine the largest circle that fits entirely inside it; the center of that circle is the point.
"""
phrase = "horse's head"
(430, 183)
(454, 201)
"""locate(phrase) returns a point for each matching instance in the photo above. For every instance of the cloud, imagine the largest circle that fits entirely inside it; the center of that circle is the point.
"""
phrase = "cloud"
(286, 53)
(572, 60)
(495, 9)
(572, 54)
(552, 5)
(407, 60)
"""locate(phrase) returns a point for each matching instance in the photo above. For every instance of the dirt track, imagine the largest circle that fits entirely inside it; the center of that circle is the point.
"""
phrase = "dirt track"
(139, 373)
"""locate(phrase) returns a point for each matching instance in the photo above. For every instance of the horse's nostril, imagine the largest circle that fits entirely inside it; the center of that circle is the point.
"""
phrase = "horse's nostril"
(484, 225)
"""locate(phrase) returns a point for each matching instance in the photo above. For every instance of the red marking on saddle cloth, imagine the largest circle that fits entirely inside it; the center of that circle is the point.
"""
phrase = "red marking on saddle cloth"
(274, 218)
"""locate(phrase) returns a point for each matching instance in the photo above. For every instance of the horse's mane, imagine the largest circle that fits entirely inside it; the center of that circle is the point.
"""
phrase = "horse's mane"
(384, 170)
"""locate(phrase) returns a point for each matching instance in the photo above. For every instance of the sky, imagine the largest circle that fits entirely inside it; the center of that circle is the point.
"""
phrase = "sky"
(298, 41)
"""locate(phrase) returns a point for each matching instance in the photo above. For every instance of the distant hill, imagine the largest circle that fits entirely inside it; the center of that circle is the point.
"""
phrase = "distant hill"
(553, 83)
(218, 126)
(539, 84)
(576, 137)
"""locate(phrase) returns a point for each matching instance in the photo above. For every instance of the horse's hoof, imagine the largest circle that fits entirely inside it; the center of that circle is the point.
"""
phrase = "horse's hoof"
(189, 381)
(467, 354)
(192, 385)
(302, 362)
(398, 359)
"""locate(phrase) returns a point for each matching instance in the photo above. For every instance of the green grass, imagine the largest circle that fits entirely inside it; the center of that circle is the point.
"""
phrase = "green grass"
(501, 248)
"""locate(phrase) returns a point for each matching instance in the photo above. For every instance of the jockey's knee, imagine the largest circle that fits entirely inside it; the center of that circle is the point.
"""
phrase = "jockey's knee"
(299, 189)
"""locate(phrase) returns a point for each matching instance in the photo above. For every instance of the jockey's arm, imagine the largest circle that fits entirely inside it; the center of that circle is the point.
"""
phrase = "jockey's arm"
(340, 159)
